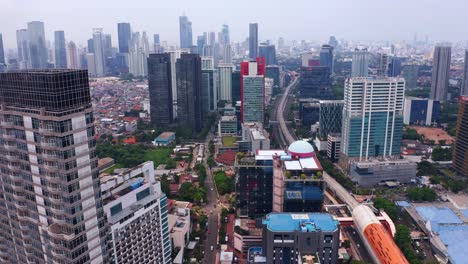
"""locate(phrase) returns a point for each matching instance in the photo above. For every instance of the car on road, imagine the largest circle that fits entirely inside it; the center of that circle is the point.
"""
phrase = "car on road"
(212, 248)
(212, 189)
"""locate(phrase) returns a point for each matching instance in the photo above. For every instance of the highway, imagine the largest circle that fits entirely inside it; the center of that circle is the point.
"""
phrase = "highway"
(332, 184)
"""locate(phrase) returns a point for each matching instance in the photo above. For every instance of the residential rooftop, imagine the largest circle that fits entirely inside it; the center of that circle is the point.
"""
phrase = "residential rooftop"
(305, 222)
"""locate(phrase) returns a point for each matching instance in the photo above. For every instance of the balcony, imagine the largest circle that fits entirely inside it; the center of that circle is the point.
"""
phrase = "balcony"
(10, 147)
(7, 123)
(52, 167)
(49, 145)
(56, 200)
(47, 131)
(14, 168)
(12, 158)
(59, 231)
(8, 136)
(55, 178)
(51, 157)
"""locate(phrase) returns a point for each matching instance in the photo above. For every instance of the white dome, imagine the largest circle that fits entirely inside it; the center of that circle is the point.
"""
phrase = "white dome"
(301, 147)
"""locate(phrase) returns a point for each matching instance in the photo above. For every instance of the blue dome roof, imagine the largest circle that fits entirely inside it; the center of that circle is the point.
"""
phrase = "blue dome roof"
(301, 146)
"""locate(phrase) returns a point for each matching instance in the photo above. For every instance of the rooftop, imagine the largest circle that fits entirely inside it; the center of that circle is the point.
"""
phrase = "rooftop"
(229, 141)
(307, 222)
(165, 135)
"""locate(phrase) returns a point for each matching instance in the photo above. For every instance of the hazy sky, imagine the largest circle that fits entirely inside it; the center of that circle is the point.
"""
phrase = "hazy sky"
(295, 19)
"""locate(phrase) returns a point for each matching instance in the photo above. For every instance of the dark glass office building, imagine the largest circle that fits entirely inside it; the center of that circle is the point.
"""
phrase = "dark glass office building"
(273, 72)
(315, 83)
(125, 35)
(268, 52)
(60, 50)
(160, 88)
(189, 92)
(236, 87)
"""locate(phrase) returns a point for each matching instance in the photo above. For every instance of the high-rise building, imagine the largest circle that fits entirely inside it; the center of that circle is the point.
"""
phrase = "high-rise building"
(227, 55)
(136, 210)
(315, 82)
(90, 46)
(420, 111)
(201, 43)
(394, 67)
(268, 52)
(332, 41)
(124, 32)
(99, 56)
(253, 91)
(37, 45)
(236, 87)
(326, 57)
(72, 56)
(440, 73)
(225, 81)
(224, 38)
(253, 41)
(22, 42)
(107, 46)
(360, 64)
(273, 72)
(160, 89)
(189, 83)
(372, 117)
(175, 54)
(185, 30)
(410, 73)
(464, 87)
(331, 116)
(210, 93)
(51, 204)
(60, 50)
(460, 149)
(2, 52)
(91, 64)
(138, 55)
(157, 44)
(290, 238)
(382, 64)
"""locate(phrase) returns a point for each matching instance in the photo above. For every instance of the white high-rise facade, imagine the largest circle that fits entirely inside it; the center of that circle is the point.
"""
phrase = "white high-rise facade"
(225, 81)
(99, 59)
(440, 73)
(138, 55)
(72, 56)
(360, 63)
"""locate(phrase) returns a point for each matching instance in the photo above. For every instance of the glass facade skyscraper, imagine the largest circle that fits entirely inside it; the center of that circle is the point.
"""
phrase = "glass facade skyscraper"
(125, 35)
(440, 73)
(37, 45)
(253, 40)
(60, 50)
(326, 57)
(185, 30)
(160, 88)
(315, 82)
(331, 115)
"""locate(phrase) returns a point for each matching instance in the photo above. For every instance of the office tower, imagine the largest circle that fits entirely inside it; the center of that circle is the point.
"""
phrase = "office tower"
(360, 63)
(22, 42)
(254, 185)
(236, 87)
(107, 46)
(281, 43)
(136, 210)
(225, 81)
(332, 41)
(382, 64)
(98, 46)
(37, 45)
(334, 146)
(460, 149)
(301, 238)
(326, 57)
(201, 43)
(227, 55)
(175, 54)
(268, 52)
(315, 82)
(185, 30)
(410, 73)
(72, 56)
(331, 116)
(209, 93)
(52, 195)
(91, 64)
(189, 83)
(273, 72)
(253, 91)
(224, 38)
(124, 32)
(90, 45)
(138, 54)
(160, 89)
(2, 52)
(440, 73)
(372, 117)
(60, 50)
(464, 86)
(420, 111)
(309, 111)
(156, 39)
(297, 184)
(394, 67)
(253, 41)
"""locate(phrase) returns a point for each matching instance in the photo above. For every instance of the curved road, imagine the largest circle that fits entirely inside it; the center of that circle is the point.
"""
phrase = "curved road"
(341, 192)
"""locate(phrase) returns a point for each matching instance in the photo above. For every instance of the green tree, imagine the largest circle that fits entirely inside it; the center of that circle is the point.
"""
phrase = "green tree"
(211, 162)
(422, 194)
(441, 154)
(388, 206)
(411, 134)
(425, 168)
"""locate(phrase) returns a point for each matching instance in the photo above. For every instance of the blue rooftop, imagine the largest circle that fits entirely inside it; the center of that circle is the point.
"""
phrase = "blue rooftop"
(403, 203)
(290, 222)
(465, 213)
(438, 215)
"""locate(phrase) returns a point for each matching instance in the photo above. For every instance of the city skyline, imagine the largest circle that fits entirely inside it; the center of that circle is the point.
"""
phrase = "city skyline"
(349, 19)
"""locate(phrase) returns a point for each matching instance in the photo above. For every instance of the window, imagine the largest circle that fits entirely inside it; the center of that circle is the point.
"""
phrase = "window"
(116, 209)
(142, 194)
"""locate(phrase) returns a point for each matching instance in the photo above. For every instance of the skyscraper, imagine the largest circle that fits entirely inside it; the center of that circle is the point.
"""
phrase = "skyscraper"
(22, 42)
(331, 118)
(60, 50)
(2, 52)
(440, 73)
(315, 82)
(189, 83)
(268, 52)
(125, 35)
(464, 87)
(37, 45)
(209, 93)
(410, 73)
(236, 87)
(227, 55)
(394, 67)
(107, 46)
(136, 210)
(253, 41)
(160, 88)
(382, 64)
(326, 57)
(224, 38)
(185, 30)
(360, 64)
(460, 149)
(138, 54)
(201, 43)
(225, 81)
(253, 91)
(51, 204)
(372, 117)
(72, 56)
(99, 56)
